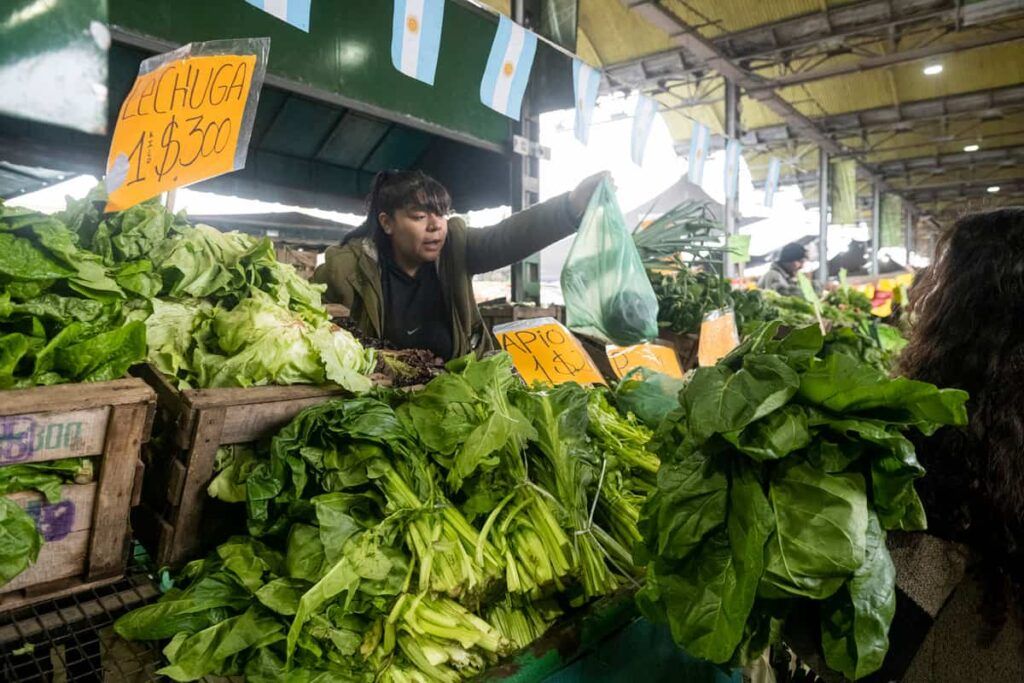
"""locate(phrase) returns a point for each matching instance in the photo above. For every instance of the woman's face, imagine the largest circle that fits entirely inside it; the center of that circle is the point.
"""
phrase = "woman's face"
(417, 235)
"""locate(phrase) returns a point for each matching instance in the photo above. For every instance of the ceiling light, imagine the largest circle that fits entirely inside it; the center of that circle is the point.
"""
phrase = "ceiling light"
(971, 148)
(993, 189)
(933, 70)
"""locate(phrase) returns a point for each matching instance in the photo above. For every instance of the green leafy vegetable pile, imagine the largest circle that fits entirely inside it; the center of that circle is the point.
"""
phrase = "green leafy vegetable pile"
(62, 318)
(783, 469)
(416, 540)
(218, 307)
(20, 541)
(851, 328)
(686, 296)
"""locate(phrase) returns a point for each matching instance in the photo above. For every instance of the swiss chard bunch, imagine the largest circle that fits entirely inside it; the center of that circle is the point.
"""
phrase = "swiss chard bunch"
(783, 470)
(352, 571)
(476, 429)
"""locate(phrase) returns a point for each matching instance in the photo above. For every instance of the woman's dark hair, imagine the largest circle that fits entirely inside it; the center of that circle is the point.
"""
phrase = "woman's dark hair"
(393, 190)
(967, 312)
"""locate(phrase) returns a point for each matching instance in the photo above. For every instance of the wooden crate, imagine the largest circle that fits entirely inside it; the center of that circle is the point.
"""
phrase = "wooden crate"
(86, 533)
(499, 314)
(685, 345)
(191, 425)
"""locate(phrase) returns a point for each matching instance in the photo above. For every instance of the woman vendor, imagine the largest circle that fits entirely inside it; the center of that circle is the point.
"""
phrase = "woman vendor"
(406, 274)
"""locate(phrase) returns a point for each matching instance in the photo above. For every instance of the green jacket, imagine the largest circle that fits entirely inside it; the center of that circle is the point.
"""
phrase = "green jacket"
(779, 280)
(352, 272)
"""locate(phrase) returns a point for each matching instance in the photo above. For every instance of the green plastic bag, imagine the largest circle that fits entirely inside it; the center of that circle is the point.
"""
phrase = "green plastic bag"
(607, 293)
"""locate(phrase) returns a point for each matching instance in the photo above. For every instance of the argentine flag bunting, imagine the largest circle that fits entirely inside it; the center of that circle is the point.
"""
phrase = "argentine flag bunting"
(508, 68)
(643, 117)
(732, 167)
(771, 181)
(294, 12)
(700, 145)
(585, 80)
(416, 38)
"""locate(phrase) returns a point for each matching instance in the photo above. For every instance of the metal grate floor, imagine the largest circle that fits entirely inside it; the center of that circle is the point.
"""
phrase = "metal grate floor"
(72, 638)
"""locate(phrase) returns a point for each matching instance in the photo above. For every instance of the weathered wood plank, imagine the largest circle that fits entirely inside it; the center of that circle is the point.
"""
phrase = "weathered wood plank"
(176, 475)
(140, 474)
(117, 472)
(57, 560)
(233, 396)
(81, 396)
(73, 512)
(246, 423)
(199, 470)
(153, 531)
(37, 437)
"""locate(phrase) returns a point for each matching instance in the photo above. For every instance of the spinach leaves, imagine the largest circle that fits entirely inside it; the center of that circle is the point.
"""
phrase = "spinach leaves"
(783, 468)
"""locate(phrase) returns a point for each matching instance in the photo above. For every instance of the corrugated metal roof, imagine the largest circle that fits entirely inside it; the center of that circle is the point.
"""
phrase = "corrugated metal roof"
(610, 33)
(714, 17)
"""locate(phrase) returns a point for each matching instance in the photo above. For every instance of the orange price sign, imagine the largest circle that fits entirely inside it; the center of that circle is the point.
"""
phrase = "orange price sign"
(655, 357)
(188, 117)
(543, 350)
(718, 336)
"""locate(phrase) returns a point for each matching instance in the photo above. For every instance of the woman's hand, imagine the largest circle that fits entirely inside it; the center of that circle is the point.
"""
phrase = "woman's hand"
(579, 198)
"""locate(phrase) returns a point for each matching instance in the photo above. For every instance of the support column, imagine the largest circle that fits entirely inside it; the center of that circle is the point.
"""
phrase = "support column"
(732, 131)
(908, 237)
(525, 186)
(876, 225)
(823, 169)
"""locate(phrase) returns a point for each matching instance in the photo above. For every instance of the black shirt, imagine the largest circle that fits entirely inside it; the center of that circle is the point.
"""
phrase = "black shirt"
(416, 315)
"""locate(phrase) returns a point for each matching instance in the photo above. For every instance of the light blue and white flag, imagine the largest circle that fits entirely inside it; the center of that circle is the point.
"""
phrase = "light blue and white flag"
(416, 37)
(700, 146)
(771, 181)
(508, 68)
(295, 12)
(732, 167)
(585, 81)
(643, 117)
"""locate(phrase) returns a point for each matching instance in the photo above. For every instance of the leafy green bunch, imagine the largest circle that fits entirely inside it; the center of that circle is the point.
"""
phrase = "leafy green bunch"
(62, 318)
(686, 296)
(852, 329)
(352, 568)
(415, 540)
(219, 308)
(783, 470)
(529, 464)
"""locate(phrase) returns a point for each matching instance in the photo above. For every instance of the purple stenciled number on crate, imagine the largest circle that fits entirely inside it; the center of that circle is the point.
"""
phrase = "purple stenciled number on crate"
(54, 521)
(17, 438)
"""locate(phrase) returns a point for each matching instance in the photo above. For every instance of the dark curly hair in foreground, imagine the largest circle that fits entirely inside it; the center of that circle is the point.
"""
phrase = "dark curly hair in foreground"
(968, 333)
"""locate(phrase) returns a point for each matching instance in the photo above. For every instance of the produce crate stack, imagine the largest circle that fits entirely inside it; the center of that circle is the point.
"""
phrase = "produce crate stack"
(191, 426)
(85, 534)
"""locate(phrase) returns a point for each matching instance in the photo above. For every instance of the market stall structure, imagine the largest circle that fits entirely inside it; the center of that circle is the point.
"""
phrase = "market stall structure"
(836, 95)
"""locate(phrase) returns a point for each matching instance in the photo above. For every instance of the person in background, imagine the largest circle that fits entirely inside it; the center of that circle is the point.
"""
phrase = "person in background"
(406, 274)
(781, 277)
(964, 580)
